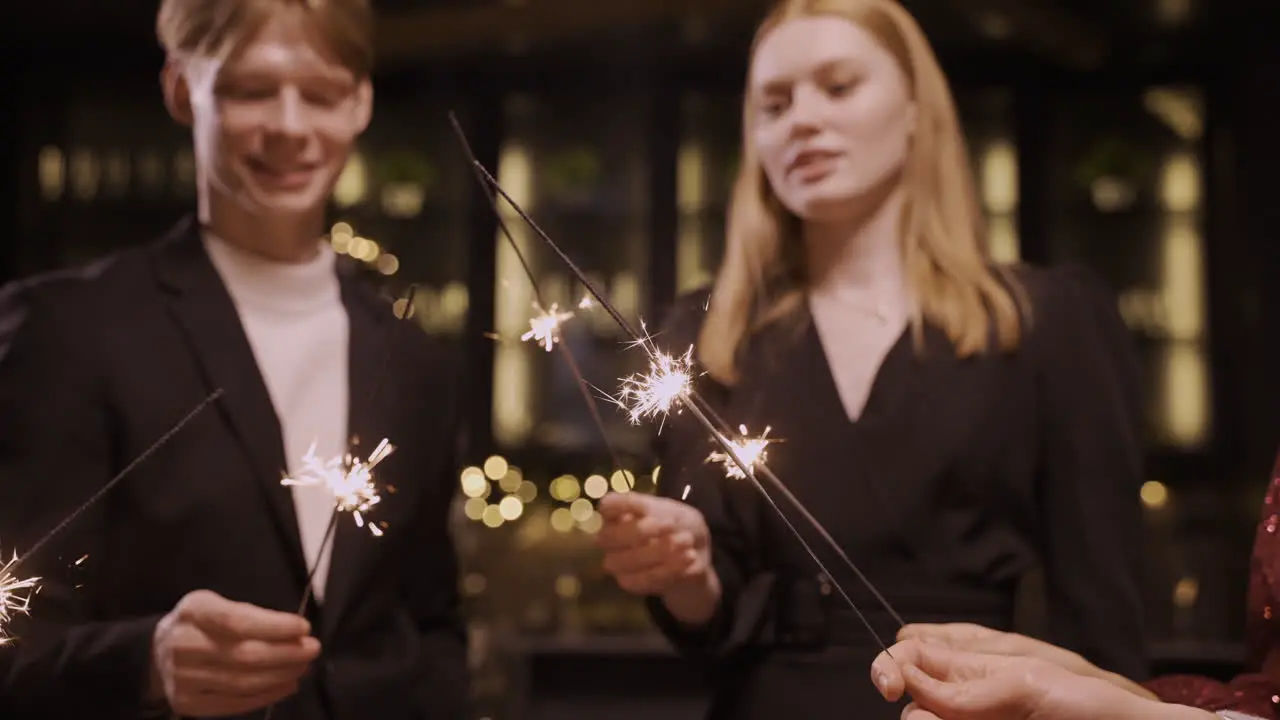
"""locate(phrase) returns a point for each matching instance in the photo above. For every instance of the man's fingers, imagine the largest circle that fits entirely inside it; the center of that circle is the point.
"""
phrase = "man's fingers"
(657, 578)
(946, 663)
(944, 632)
(219, 705)
(259, 655)
(928, 691)
(225, 618)
(624, 534)
(915, 712)
(614, 505)
(635, 560)
(230, 683)
(886, 670)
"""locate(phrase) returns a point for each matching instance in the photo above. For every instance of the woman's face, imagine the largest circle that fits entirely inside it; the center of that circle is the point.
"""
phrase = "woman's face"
(832, 115)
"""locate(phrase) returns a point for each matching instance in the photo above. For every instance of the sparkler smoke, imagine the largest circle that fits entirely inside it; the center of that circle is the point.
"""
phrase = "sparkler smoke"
(703, 413)
(15, 592)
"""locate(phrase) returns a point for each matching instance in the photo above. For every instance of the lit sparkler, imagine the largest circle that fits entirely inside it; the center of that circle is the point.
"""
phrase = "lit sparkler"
(544, 328)
(15, 596)
(669, 380)
(348, 478)
(752, 451)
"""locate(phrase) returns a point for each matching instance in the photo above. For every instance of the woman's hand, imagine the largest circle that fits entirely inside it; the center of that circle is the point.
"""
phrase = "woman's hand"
(949, 684)
(659, 546)
(978, 639)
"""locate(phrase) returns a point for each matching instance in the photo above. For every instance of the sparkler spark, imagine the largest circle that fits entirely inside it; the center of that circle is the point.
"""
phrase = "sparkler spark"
(348, 478)
(752, 451)
(544, 328)
(669, 380)
(15, 596)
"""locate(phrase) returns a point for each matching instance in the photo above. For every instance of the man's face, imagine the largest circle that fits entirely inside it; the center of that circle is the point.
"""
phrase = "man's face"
(274, 124)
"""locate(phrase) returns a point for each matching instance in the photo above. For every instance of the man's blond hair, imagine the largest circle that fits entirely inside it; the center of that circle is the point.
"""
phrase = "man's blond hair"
(220, 28)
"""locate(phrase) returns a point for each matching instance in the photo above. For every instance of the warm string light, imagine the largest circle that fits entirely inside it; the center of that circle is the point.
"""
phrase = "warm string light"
(499, 494)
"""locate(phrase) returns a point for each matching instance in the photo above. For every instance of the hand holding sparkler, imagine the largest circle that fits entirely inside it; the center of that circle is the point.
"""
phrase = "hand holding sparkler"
(973, 638)
(212, 656)
(659, 546)
(946, 683)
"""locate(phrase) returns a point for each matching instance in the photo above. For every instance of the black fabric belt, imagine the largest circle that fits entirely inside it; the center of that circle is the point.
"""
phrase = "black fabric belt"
(810, 613)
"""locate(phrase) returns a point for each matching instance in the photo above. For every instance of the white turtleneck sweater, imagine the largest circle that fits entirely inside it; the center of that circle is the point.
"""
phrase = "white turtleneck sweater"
(298, 328)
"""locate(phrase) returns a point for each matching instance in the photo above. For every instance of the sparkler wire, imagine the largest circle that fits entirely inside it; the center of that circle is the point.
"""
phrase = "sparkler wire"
(309, 590)
(120, 476)
(572, 362)
(697, 406)
(9, 570)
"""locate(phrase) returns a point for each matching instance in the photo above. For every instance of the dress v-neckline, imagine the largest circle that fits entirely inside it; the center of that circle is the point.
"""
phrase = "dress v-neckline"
(884, 367)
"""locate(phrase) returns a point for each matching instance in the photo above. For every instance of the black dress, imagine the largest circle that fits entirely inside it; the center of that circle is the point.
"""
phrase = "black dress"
(958, 476)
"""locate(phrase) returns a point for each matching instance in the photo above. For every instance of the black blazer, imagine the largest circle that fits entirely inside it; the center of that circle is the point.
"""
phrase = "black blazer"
(958, 477)
(101, 362)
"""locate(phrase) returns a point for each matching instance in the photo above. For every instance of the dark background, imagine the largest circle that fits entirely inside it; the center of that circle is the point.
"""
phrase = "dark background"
(1136, 136)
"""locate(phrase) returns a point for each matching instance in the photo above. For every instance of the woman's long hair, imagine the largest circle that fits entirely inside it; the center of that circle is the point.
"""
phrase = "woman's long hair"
(947, 266)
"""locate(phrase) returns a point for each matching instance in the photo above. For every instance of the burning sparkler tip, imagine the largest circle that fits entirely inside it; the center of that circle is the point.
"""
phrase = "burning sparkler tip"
(348, 478)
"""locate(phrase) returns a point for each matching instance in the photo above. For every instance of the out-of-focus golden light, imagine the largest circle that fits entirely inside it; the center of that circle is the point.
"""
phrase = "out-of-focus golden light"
(561, 520)
(492, 517)
(473, 481)
(622, 481)
(581, 509)
(1154, 494)
(511, 481)
(568, 587)
(495, 467)
(527, 491)
(595, 486)
(510, 508)
(474, 508)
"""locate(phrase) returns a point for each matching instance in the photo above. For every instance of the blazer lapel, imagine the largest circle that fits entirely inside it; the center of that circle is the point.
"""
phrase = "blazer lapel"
(368, 423)
(208, 318)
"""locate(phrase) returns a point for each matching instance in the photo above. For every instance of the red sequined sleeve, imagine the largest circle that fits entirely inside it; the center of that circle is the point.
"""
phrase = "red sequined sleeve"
(1256, 692)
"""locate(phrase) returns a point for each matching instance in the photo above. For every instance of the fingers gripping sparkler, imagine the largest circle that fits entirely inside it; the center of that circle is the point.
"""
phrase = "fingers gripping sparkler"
(350, 480)
(659, 403)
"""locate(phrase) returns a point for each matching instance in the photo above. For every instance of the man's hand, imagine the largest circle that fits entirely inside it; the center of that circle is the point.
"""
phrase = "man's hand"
(212, 656)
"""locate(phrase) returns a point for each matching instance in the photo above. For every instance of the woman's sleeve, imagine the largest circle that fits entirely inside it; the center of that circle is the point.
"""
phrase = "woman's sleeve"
(1090, 471)
(682, 446)
(1254, 691)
